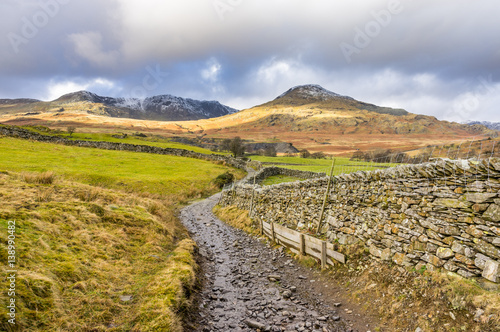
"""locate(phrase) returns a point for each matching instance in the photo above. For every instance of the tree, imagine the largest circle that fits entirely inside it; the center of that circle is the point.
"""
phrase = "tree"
(318, 155)
(226, 145)
(358, 155)
(304, 154)
(236, 147)
(270, 151)
(71, 130)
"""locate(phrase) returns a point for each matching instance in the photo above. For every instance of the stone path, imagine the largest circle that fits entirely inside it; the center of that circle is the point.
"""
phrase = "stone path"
(248, 285)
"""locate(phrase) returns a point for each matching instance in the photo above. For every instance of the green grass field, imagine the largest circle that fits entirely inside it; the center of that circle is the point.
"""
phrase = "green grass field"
(158, 141)
(342, 165)
(131, 171)
(279, 179)
(95, 226)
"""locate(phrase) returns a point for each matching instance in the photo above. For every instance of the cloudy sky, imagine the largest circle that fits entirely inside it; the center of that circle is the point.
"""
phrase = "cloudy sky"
(439, 58)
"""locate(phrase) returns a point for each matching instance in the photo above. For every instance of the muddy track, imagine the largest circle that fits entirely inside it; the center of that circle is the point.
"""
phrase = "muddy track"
(248, 285)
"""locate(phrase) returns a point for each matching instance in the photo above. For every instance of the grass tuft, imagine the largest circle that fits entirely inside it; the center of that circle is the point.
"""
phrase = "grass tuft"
(237, 218)
(46, 178)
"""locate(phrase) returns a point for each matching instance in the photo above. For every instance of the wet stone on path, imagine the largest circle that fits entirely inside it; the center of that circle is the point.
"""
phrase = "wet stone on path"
(250, 286)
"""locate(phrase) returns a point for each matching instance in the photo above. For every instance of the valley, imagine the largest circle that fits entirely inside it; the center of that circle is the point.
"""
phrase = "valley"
(115, 204)
(309, 117)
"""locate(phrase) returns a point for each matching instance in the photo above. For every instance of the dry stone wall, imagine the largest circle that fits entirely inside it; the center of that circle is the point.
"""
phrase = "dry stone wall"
(273, 171)
(26, 134)
(444, 214)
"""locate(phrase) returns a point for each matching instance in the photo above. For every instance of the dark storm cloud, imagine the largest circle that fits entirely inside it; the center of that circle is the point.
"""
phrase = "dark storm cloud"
(439, 58)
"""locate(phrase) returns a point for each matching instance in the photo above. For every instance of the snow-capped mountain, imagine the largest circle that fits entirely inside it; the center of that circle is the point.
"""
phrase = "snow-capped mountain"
(314, 94)
(491, 125)
(311, 91)
(163, 107)
(166, 104)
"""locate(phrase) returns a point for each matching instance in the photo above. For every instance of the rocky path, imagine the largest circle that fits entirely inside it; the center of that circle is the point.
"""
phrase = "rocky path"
(248, 285)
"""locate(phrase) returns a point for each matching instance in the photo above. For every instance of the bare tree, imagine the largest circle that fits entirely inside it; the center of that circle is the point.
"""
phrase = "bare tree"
(71, 130)
(236, 147)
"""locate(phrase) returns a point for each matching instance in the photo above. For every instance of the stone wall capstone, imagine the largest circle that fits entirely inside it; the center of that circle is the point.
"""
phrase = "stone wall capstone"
(444, 214)
(266, 172)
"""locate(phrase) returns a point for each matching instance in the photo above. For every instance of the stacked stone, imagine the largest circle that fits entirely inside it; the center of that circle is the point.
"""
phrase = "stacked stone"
(444, 214)
(273, 171)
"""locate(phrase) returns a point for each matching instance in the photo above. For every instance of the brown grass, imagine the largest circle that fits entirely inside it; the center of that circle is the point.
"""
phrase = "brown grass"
(82, 247)
(46, 178)
(237, 218)
(326, 128)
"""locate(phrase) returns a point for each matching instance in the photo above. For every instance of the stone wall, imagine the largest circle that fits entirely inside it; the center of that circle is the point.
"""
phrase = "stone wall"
(26, 134)
(273, 171)
(441, 215)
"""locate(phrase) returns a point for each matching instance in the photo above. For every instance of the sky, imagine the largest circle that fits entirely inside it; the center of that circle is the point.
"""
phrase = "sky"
(439, 58)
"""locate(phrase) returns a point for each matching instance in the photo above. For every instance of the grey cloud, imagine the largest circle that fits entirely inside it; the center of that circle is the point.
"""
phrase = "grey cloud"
(423, 57)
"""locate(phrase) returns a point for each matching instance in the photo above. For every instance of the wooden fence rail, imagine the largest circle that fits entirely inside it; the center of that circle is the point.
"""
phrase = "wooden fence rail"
(302, 244)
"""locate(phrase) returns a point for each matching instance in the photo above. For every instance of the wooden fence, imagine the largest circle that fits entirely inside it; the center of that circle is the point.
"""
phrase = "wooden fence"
(302, 244)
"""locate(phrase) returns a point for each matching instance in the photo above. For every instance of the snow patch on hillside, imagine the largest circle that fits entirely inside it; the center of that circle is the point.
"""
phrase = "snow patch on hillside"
(313, 91)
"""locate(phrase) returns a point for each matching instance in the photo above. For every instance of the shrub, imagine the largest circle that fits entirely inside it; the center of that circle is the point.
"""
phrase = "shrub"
(224, 179)
(305, 154)
(318, 155)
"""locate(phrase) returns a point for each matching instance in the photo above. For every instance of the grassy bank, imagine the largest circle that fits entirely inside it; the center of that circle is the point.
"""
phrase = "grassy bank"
(93, 259)
(176, 177)
(98, 246)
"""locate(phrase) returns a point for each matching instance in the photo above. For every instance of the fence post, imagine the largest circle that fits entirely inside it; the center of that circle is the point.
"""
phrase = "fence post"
(323, 254)
(326, 197)
(302, 248)
(273, 235)
(253, 193)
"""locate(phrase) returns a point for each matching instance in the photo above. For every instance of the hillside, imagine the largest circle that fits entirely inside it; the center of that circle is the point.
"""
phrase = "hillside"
(98, 242)
(489, 124)
(310, 117)
(314, 94)
(93, 259)
(317, 119)
(160, 108)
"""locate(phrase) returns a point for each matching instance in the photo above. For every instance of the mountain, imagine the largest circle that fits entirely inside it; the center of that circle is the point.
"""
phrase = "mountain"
(316, 94)
(21, 101)
(491, 125)
(308, 116)
(317, 119)
(160, 108)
